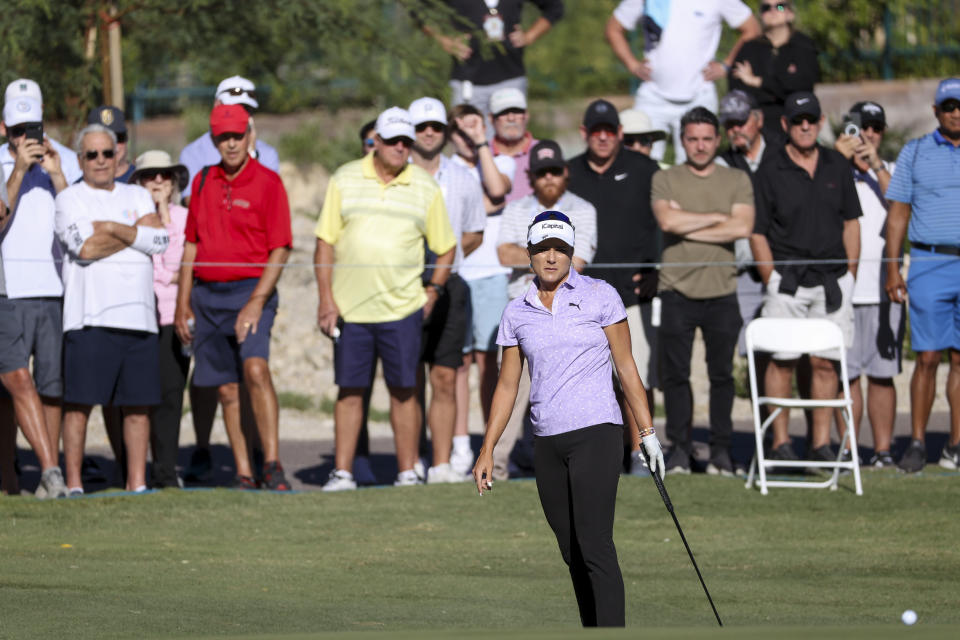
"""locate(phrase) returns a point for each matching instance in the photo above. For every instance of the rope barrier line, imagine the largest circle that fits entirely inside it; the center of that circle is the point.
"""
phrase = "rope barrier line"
(590, 265)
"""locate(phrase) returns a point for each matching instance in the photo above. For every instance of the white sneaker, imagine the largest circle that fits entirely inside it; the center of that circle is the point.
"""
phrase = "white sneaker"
(444, 473)
(408, 478)
(340, 480)
(462, 461)
(51, 484)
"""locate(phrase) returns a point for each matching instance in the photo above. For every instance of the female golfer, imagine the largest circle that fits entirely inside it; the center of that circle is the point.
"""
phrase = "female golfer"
(568, 326)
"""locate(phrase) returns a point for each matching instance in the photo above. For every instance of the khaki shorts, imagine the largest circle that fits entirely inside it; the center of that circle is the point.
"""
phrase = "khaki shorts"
(811, 302)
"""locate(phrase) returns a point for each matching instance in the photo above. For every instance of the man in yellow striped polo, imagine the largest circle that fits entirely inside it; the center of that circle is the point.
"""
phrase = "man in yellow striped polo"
(377, 213)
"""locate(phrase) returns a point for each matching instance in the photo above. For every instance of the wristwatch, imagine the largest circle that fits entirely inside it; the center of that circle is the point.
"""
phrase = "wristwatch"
(436, 287)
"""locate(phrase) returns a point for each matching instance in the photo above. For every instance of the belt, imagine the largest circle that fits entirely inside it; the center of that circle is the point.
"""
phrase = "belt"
(947, 249)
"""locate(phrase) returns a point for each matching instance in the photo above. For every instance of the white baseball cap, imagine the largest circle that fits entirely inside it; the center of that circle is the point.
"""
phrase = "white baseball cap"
(395, 122)
(23, 88)
(635, 121)
(237, 90)
(551, 224)
(20, 110)
(509, 98)
(427, 110)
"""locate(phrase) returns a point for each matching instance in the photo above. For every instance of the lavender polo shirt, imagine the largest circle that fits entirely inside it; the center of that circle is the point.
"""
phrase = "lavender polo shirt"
(569, 357)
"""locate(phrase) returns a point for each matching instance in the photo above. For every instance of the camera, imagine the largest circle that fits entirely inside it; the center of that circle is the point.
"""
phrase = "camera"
(852, 124)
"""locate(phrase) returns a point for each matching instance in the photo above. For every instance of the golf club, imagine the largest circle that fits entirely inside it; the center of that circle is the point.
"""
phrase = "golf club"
(666, 501)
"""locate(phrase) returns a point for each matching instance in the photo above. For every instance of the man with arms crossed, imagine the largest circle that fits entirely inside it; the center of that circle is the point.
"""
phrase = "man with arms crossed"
(110, 349)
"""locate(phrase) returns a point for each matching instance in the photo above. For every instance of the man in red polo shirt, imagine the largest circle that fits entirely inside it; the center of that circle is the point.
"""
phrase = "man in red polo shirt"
(239, 215)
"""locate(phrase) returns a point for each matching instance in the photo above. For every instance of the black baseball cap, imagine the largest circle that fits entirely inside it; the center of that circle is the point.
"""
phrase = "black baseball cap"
(110, 117)
(801, 103)
(600, 112)
(546, 154)
(870, 113)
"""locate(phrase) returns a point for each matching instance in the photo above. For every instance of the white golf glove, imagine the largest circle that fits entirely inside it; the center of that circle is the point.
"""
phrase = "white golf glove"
(651, 447)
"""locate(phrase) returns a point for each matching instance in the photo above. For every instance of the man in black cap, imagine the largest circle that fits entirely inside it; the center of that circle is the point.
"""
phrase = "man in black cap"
(807, 209)
(879, 322)
(616, 181)
(112, 118)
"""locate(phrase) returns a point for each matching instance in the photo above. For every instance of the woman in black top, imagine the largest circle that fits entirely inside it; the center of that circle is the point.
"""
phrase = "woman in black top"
(776, 64)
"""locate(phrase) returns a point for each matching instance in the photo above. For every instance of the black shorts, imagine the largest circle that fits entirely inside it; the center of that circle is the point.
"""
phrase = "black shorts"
(111, 367)
(445, 330)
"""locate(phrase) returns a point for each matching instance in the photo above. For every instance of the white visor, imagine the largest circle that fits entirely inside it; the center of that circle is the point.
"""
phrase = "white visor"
(545, 229)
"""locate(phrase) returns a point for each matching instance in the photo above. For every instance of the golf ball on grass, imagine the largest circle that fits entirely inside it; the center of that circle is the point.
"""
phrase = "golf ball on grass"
(909, 617)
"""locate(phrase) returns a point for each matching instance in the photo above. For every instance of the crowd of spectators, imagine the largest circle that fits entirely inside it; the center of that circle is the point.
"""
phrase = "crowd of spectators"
(114, 274)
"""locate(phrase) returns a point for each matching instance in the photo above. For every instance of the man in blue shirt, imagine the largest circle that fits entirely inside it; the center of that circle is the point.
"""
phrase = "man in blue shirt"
(924, 192)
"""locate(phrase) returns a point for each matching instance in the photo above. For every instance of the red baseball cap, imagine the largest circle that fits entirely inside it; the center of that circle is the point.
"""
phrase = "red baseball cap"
(228, 118)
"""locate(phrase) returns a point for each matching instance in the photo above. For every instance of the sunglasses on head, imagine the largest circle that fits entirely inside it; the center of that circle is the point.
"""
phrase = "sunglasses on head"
(392, 142)
(949, 106)
(93, 153)
(551, 215)
(804, 117)
(150, 175)
(239, 91)
(436, 126)
(549, 171)
(779, 6)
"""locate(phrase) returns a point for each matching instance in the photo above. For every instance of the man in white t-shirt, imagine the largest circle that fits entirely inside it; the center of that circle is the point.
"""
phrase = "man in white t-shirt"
(110, 353)
(678, 67)
(26, 88)
(31, 257)
(879, 323)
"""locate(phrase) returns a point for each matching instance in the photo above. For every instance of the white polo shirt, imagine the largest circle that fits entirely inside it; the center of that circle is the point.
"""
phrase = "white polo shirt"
(871, 272)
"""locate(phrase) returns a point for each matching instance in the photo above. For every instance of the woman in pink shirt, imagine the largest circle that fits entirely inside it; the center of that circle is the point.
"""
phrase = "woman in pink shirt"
(569, 327)
(165, 181)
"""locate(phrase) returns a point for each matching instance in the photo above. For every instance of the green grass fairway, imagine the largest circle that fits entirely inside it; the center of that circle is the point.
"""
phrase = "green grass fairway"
(439, 561)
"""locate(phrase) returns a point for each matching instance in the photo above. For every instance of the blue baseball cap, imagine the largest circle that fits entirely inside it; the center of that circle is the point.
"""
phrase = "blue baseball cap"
(948, 89)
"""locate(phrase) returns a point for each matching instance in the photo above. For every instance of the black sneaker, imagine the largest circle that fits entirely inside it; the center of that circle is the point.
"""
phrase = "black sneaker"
(720, 464)
(783, 452)
(950, 458)
(821, 454)
(914, 458)
(201, 466)
(881, 460)
(274, 478)
(678, 462)
(245, 483)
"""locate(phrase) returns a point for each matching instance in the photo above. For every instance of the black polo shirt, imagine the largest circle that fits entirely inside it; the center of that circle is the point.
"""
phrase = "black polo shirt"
(626, 228)
(803, 217)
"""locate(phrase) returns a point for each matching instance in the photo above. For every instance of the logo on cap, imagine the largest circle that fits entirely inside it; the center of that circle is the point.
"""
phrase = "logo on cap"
(106, 116)
(23, 106)
(23, 86)
(544, 153)
(803, 100)
(869, 107)
(600, 108)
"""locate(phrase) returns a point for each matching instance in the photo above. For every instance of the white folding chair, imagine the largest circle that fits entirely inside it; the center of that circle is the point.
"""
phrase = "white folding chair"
(804, 335)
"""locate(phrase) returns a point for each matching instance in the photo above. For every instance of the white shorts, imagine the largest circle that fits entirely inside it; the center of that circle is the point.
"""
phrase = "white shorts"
(811, 302)
(665, 114)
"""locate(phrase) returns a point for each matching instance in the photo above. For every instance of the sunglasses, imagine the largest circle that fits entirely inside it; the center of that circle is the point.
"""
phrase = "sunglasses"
(392, 142)
(93, 153)
(948, 106)
(436, 126)
(121, 138)
(511, 110)
(643, 140)
(229, 135)
(730, 124)
(556, 172)
(606, 130)
(151, 174)
(239, 91)
(779, 6)
(21, 129)
(804, 117)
